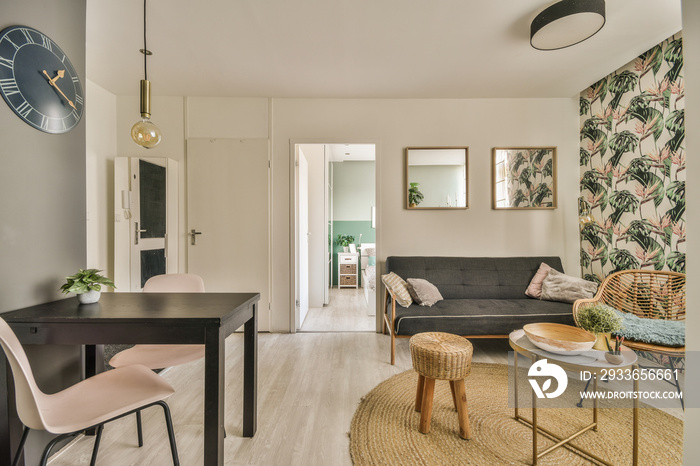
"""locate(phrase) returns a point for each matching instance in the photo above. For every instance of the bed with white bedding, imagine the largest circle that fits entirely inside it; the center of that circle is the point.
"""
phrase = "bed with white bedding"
(369, 276)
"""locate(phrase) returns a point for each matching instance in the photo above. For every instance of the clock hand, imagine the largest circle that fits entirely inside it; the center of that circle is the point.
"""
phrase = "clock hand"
(60, 74)
(52, 82)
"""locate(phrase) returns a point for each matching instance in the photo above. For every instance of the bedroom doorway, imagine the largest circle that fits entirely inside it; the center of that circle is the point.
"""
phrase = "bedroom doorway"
(334, 190)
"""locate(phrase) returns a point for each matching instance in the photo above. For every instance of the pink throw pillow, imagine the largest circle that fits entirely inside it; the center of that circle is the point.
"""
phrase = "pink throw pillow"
(534, 289)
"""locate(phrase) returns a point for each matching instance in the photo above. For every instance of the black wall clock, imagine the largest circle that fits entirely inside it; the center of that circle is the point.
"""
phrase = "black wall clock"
(38, 81)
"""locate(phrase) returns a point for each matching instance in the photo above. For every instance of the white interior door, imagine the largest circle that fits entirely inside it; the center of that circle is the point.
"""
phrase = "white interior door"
(145, 220)
(228, 216)
(303, 235)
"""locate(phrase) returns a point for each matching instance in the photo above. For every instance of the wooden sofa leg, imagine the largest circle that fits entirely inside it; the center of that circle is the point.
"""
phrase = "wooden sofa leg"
(393, 348)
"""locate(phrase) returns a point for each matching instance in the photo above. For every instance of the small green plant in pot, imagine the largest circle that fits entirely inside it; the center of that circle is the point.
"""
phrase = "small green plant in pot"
(600, 320)
(614, 354)
(345, 240)
(415, 197)
(87, 285)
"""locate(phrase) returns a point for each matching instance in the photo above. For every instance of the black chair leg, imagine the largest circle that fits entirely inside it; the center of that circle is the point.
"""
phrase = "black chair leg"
(20, 448)
(139, 428)
(171, 432)
(96, 446)
(51, 444)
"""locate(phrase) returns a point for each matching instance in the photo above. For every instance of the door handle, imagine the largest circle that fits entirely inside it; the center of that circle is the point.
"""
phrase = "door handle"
(193, 235)
(137, 232)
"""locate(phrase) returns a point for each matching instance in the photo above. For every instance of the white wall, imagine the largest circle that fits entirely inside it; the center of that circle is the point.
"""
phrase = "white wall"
(101, 148)
(691, 52)
(480, 124)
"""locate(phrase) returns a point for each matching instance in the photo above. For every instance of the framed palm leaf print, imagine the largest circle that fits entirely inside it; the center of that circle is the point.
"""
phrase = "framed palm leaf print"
(524, 177)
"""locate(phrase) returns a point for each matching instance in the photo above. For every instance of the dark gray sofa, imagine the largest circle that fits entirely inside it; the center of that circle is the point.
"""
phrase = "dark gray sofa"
(483, 297)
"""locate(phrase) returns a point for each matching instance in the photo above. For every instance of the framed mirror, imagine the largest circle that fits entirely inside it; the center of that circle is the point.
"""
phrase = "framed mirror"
(524, 177)
(437, 177)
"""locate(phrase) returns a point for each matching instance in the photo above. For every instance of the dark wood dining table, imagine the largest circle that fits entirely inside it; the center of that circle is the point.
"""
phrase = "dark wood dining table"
(145, 318)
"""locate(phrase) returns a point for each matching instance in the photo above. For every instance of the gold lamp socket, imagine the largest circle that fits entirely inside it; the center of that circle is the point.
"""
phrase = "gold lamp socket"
(145, 98)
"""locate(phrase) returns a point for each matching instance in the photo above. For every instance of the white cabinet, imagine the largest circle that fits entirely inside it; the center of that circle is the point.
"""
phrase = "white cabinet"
(347, 270)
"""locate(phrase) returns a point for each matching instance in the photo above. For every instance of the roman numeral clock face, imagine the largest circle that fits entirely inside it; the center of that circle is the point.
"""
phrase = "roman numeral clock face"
(38, 81)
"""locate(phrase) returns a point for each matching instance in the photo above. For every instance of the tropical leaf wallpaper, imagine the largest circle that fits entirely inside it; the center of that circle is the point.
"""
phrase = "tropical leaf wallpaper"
(632, 161)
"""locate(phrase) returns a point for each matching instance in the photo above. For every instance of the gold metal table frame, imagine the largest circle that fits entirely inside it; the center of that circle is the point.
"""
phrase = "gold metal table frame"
(522, 345)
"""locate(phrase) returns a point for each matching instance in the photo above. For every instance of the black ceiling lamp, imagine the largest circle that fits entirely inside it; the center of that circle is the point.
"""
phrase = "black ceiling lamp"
(566, 23)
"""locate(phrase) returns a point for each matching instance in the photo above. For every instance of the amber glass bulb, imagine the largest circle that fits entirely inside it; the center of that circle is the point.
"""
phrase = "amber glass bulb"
(145, 133)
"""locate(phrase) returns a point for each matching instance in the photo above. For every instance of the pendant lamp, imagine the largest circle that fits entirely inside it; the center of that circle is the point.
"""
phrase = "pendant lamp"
(145, 133)
(567, 23)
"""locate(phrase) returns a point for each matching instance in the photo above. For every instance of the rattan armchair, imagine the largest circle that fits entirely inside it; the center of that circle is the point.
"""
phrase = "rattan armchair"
(645, 293)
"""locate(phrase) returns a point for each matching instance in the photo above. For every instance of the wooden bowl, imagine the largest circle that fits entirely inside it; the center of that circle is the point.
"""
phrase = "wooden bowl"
(560, 338)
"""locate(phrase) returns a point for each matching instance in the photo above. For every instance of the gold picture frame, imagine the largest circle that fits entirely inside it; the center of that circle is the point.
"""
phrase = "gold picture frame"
(524, 178)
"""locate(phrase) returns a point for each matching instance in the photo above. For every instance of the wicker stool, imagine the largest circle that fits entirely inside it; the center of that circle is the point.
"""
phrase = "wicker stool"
(441, 356)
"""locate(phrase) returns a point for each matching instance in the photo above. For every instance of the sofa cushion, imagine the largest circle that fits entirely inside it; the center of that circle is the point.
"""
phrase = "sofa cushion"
(565, 288)
(423, 292)
(399, 288)
(473, 277)
(480, 316)
(534, 289)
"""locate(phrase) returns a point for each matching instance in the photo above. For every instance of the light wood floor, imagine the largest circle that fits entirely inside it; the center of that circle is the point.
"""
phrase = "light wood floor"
(345, 312)
(309, 387)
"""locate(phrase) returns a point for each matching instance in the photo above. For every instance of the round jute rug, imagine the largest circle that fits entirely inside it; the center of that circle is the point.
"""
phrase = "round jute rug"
(384, 429)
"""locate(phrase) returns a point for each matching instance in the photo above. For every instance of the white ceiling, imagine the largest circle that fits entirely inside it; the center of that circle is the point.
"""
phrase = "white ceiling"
(358, 48)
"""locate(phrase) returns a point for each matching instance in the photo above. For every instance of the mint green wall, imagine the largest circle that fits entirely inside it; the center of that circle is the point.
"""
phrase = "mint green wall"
(353, 228)
(353, 190)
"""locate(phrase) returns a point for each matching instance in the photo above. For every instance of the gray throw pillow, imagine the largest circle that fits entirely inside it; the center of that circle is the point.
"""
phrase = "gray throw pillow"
(423, 292)
(560, 287)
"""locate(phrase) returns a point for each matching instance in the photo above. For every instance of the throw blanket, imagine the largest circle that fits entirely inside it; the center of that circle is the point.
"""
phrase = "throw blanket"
(370, 277)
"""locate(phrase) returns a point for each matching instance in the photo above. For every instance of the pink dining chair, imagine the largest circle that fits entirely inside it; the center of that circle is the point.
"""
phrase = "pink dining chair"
(161, 356)
(88, 404)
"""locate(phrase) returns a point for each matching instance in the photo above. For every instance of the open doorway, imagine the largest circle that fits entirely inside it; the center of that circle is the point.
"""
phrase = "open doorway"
(335, 237)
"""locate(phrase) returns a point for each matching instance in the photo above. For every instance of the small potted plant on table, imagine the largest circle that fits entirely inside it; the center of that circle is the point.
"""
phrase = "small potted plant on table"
(601, 321)
(87, 285)
(614, 355)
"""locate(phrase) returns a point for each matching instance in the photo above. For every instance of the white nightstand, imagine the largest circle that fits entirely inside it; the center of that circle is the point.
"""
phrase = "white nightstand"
(347, 270)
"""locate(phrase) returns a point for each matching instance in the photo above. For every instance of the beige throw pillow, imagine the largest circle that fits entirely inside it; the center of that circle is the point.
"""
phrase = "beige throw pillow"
(534, 289)
(559, 287)
(423, 292)
(399, 289)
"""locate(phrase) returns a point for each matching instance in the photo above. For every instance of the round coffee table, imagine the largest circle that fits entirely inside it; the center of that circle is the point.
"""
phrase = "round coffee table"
(521, 344)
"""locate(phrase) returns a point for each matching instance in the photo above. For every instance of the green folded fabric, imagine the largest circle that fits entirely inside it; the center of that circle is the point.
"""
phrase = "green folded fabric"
(655, 331)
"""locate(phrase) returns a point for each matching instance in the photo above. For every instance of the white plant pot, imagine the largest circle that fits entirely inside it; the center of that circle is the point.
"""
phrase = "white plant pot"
(89, 297)
(345, 248)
